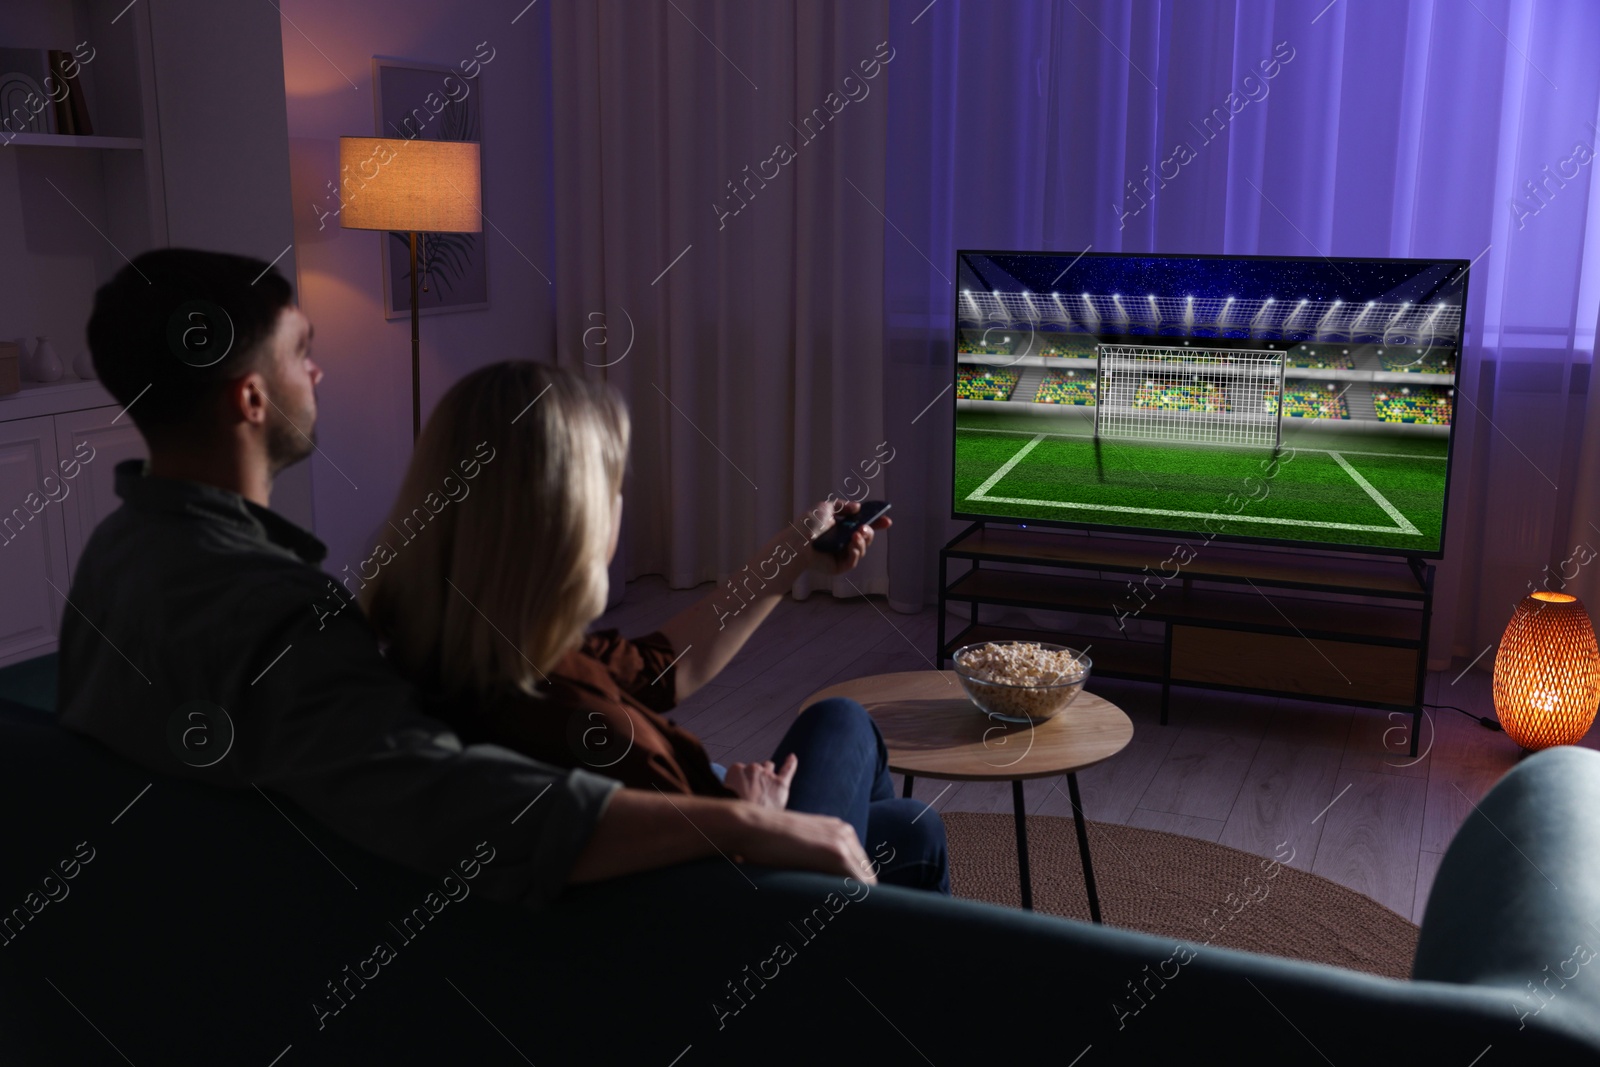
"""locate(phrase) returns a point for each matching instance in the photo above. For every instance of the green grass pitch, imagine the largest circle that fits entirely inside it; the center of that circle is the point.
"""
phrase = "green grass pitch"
(1307, 495)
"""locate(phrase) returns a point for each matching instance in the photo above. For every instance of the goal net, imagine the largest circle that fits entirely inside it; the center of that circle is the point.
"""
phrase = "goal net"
(1192, 395)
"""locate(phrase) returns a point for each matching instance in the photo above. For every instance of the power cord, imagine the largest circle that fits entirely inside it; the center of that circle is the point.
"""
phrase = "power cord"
(1483, 720)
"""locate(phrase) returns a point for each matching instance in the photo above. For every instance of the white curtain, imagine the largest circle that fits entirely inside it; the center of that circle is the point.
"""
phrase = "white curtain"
(707, 163)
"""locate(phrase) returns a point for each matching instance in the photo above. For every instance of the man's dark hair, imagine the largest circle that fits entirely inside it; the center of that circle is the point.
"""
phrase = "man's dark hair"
(177, 323)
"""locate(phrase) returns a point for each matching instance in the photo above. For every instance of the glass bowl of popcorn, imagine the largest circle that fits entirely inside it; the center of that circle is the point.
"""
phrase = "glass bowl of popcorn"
(1021, 681)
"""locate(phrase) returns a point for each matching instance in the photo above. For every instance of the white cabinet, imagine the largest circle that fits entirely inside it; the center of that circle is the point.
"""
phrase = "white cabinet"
(59, 447)
(33, 542)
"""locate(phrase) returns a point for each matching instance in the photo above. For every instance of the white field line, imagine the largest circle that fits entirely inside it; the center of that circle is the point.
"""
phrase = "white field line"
(1377, 497)
(1402, 524)
(1005, 469)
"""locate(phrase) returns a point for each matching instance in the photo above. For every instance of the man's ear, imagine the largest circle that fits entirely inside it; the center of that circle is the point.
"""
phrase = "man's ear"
(246, 400)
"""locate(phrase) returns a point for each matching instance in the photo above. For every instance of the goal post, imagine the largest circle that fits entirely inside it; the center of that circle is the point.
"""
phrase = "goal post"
(1190, 395)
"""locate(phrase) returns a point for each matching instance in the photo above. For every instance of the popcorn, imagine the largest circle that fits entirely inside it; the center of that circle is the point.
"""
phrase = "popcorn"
(998, 676)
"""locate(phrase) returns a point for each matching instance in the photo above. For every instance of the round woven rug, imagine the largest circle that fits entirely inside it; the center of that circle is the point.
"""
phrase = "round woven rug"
(1181, 888)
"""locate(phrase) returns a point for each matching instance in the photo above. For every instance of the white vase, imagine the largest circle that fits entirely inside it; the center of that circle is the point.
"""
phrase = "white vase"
(46, 364)
(83, 366)
(25, 359)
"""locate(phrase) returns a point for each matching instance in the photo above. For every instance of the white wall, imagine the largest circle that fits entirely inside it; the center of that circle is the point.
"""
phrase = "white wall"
(223, 150)
(364, 430)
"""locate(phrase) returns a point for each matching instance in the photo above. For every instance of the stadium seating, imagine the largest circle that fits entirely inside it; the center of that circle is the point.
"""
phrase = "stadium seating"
(1309, 400)
(1422, 404)
(1411, 361)
(997, 344)
(1076, 348)
(1191, 396)
(985, 383)
(1066, 387)
(1320, 359)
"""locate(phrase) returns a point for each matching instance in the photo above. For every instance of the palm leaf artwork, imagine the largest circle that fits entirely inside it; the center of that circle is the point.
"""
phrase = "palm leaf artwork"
(445, 256)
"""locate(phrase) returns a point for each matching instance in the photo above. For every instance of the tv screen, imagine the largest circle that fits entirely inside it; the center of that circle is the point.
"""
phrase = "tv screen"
(1256, 398)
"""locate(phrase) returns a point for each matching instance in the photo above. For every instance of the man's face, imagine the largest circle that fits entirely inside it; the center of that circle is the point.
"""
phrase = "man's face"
(292, 378)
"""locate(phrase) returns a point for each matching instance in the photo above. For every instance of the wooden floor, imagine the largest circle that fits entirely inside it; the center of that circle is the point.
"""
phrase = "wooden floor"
(1334, 783)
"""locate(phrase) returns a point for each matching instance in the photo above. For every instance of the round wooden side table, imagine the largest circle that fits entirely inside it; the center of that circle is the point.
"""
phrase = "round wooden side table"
(933, 731)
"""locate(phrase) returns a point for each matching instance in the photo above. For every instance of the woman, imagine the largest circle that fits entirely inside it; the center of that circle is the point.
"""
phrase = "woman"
(510, 512)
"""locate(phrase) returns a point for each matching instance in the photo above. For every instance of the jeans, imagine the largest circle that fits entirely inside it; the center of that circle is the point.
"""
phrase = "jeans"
(843, 771)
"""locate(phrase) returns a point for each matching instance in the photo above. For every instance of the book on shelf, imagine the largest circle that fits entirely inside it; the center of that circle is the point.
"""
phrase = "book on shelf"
(72, 110)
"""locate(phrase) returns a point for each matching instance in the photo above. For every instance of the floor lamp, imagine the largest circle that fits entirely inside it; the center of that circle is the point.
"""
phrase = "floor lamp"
(415, 187)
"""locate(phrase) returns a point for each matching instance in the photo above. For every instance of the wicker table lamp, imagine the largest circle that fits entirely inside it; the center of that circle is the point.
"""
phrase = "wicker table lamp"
(1547, 672)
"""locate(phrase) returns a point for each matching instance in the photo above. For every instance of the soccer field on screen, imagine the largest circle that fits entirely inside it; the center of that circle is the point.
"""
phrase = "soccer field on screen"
(1367, 489)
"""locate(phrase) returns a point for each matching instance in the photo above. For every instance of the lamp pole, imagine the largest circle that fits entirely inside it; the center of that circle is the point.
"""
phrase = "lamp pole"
(416, 349)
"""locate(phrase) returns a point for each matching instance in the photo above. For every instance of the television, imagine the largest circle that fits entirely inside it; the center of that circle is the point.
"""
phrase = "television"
(1273, 399)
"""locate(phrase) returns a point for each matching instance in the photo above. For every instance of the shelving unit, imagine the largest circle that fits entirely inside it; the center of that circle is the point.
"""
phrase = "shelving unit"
(87, 204)
(69, 140)
(1325, 627)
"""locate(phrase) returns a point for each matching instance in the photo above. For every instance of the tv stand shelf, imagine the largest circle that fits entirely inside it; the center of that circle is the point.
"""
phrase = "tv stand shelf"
(1329, 628)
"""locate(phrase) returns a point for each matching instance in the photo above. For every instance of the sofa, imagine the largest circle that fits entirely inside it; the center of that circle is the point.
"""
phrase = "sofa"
(154, 921)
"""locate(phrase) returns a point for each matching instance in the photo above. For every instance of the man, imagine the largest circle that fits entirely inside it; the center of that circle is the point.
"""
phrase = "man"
(199, 641)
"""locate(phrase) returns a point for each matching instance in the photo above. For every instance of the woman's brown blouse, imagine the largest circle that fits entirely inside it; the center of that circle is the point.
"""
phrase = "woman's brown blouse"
(601, 709)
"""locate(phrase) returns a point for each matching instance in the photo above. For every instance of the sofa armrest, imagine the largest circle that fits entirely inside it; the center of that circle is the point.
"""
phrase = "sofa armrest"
(1516, 903)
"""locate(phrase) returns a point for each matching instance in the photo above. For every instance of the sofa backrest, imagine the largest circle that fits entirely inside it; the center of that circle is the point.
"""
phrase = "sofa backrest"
(185, 924)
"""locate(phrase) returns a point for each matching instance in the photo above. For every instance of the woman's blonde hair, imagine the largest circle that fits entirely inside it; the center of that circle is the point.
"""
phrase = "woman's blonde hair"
(506, 515)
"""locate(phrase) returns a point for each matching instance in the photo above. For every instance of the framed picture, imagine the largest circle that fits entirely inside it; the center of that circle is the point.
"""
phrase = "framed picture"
(431, 102)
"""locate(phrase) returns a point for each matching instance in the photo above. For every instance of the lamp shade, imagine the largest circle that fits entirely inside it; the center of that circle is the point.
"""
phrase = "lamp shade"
(1547, 672)
(396, 183)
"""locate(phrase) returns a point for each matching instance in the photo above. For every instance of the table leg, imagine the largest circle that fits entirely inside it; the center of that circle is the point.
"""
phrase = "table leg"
(905, 790)
(1021, 814)
(1083, 848)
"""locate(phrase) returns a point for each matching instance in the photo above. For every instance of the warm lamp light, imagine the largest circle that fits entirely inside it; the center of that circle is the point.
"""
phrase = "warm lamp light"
(1547, 672)
(410, 186)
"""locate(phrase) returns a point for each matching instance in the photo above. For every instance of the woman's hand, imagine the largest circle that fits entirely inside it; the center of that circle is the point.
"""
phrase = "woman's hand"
(821, 519)
(761, 784)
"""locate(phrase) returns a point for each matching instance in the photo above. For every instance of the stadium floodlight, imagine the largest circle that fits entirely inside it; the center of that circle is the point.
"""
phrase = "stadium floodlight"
(1219, 396)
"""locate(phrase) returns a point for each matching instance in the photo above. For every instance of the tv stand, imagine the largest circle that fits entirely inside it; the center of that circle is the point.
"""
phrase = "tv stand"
(1332, 628)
